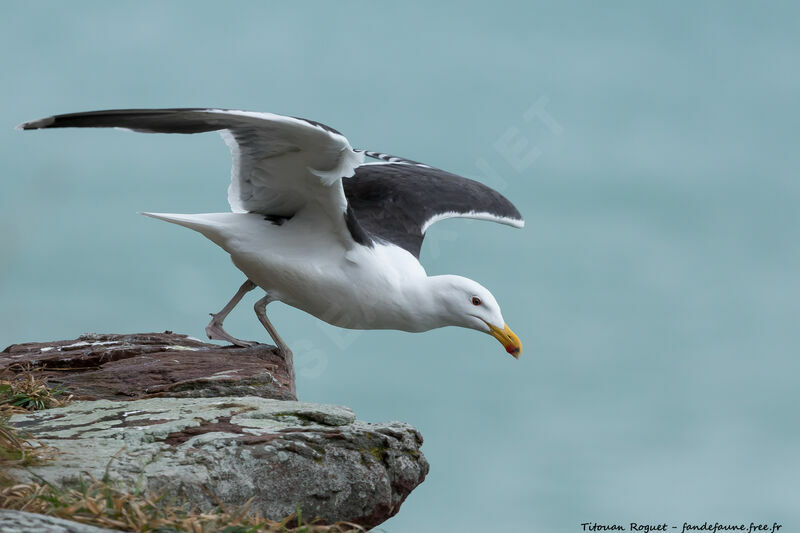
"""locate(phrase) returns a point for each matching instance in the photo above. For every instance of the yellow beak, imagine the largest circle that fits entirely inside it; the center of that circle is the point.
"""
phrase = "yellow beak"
(508, 339)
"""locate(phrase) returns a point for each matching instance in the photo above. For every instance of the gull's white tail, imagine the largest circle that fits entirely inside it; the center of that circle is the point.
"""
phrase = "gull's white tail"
(215, 226)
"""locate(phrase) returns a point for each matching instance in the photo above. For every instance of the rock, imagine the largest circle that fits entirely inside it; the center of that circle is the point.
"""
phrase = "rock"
(281, 454)
(22, 522)
(204, 424)
(122, 367)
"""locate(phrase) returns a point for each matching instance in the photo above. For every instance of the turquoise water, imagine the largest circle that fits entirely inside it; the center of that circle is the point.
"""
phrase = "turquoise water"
(652, 149)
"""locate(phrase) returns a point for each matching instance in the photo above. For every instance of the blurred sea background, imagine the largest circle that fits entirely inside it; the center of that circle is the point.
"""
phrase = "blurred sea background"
(652, 148)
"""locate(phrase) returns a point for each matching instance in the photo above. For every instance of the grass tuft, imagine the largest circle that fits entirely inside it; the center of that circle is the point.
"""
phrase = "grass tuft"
(19, 449)
(22, 390)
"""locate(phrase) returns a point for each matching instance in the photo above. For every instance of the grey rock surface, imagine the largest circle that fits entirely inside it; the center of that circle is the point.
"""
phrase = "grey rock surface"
(22, 522)
(199, 450)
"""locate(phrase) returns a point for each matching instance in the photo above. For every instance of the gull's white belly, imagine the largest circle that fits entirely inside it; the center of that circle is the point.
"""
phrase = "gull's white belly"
(309, 268)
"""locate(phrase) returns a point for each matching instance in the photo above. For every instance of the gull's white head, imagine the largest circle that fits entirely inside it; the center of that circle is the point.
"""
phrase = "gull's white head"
(468, 304)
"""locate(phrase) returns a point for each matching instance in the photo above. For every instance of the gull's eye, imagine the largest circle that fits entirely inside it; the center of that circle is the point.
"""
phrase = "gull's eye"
(476, 300)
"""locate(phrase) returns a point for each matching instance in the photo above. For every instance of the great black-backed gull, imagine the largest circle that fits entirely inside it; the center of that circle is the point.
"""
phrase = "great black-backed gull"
(320, 230)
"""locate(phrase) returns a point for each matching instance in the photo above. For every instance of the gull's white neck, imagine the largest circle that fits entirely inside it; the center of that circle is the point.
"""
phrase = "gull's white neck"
(394, 290)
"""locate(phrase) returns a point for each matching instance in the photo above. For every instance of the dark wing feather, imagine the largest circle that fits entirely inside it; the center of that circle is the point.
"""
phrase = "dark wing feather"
(166, 120)
(397, 202)
(187, 120)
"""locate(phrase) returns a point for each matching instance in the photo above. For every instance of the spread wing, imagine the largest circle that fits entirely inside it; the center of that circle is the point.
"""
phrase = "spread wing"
(398, 200)
(281, 164)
